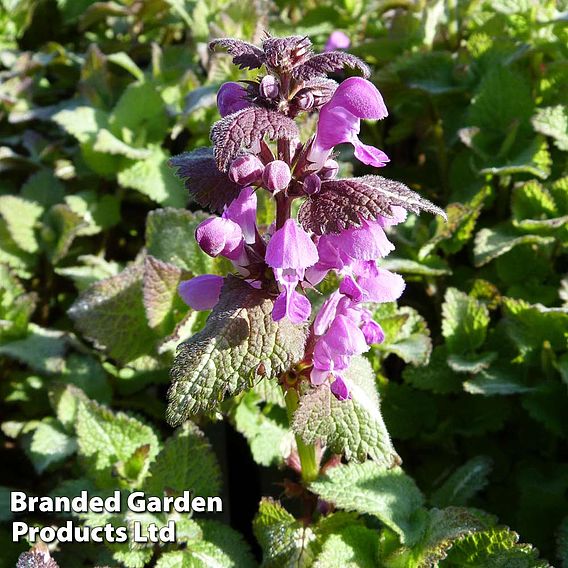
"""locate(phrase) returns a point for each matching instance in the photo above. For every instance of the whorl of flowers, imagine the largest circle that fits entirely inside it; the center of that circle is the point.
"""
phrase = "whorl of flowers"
(341, 222)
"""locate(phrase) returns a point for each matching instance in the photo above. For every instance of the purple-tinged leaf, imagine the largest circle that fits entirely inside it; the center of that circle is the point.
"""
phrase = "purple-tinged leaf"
(245, 128)
(285, 53)
(245, 55)
(323, 63)
(38, 557)
(341, 204)
(207, 185)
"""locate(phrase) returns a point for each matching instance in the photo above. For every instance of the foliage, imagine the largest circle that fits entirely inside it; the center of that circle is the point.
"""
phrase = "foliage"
(469, 388)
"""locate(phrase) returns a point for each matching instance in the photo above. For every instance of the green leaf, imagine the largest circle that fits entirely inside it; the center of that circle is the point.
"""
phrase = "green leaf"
(135, 558)
(471, 363)
(406, 333)
(122, 59)
(186, 462)
(108, 143)
(108, 312)
(353, 427)
(82, 122)
(465, 482)
(92, 269)
(106, 438)
(16, 306)
(170, 237)
(553, 121)
(154, 178)
(223, 358)
(63, 225)
(498, 379)
(429, 267)
(353, 547)
(43, 188)
(284, 540)
(5, 512)
(437, 376)
(266, 430)
(492, 243)
(464, 321)
(389, 494)
(49, 445)
(233, 551)
(20, 216)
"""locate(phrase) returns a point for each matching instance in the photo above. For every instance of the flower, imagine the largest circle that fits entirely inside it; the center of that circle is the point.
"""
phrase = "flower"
(201, 292)
(312, 184)
(231, 98)
(242, 211)
(373, 284)
(246, 169)
(337, 40)
(276, 176)
(218, 236)
(340, 121)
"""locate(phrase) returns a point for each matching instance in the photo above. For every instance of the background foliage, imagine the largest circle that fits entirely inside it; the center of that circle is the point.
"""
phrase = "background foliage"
(95, 236)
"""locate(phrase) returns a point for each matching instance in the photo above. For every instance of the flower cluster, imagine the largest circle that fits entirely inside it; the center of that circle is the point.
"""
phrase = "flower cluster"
(289, 257)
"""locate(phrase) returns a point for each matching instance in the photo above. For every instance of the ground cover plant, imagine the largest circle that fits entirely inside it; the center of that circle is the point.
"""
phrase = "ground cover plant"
(364, 385)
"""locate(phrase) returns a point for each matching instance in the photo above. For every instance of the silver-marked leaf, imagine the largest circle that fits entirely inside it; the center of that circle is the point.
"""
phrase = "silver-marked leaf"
(352, 427)
(207, 185)
(223, 358)
(247, 127)
(342, 203)
(245, 55)
(324, 63)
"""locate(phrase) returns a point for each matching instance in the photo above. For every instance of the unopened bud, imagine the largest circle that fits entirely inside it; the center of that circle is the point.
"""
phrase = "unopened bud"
(312, 184)
(276, 175)
(246, 169)
(217, 236)
(305, 100)
(269, 88)
(329, 170)
(231, 98)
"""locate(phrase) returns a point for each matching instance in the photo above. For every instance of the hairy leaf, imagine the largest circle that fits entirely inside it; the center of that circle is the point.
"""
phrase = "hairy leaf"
(245, 55)
(207, 185)
(553, 121)
(341, 204)
(389, 494)
(36, 558)
(222, 360)
(330, 62)
(352, 427)
(436, 376)
(246, 128)
(353, 547)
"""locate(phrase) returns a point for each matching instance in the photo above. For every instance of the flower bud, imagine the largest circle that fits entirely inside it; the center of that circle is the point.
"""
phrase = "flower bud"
(269, 88)
(276, 175)
(329, 170)
(305, 100)
(201, 292)
(246, 169)
(231, 98)
(217, 236)
(312, 184)
(337, 40)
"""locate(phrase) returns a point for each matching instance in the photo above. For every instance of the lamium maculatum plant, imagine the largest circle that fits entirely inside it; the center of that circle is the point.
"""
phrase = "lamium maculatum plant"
(263, 325)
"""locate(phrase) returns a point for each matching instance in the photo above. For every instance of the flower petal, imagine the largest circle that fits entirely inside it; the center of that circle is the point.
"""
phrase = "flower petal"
(291, 247)
(242, 211)
(201, 292)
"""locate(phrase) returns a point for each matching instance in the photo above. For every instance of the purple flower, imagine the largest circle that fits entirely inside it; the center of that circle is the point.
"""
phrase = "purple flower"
(242, 211)
(339, 389)
(340, 121)
(276, 176)
(231, 98)
(246, 169)
(372, 284)
(329, 170)
(218, 236)
(312, 184)
(337, 40)
(201, 292)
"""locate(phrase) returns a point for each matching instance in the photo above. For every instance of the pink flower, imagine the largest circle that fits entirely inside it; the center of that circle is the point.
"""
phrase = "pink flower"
(231, 98)
(340, 122)
(201, 292)
(337, 40)
(218, 236)
(276, 176)
(246, 169)
(242, 211)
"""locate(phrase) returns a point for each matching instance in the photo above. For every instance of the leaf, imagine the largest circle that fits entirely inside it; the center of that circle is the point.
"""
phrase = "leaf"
(38, 557)
(16, 306)
(223, 358)
(464, 321)
(230, 544)
(247, 127)
(245, 55)
(43, 188)
(284, 540)
(107, 142)
(389, 494)
(170, 237)
(65, 226)
(465, 482)
(106, 438)
(20, 216)
(159, 290)
(492, 243)
(82, 122)
(498, 379)
(49, 445)
(207, 185)
(266, 430)
(436, 376)
(353, 547)
(108, 311)
(352, 427)
(330, 62)
(471, 363)
(153, 178)
(122, 59)
(343, 203)
(553, 121)
(186, 462)
(432, 266)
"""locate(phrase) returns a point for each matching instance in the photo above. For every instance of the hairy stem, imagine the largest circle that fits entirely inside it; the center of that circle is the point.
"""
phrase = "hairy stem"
(306, 452)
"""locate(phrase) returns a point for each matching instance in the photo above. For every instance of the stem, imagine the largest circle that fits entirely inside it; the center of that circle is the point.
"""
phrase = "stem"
(306, 452)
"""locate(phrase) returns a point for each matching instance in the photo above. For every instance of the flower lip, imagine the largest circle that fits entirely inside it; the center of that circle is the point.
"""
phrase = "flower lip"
(291, 248)
(231, 98)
